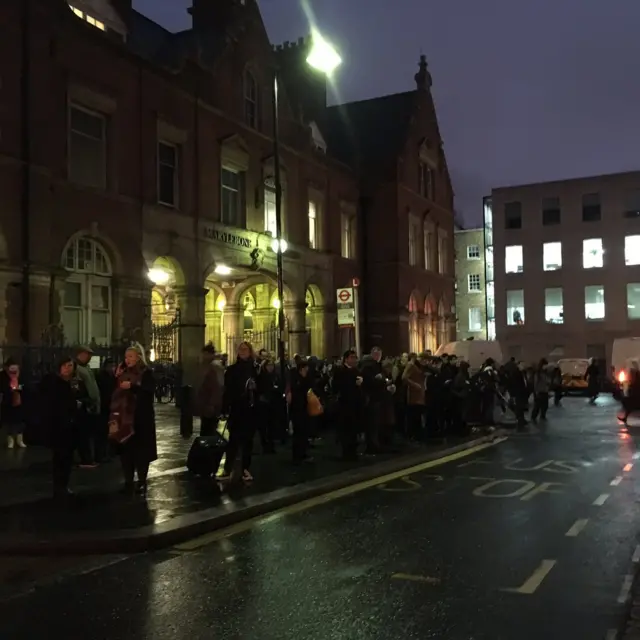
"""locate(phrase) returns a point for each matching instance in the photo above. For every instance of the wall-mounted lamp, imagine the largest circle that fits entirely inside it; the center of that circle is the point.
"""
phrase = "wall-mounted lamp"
(158, 276)
(222, 270)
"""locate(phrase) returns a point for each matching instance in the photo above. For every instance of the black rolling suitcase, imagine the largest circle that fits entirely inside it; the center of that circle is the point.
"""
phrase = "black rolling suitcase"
(206, 454)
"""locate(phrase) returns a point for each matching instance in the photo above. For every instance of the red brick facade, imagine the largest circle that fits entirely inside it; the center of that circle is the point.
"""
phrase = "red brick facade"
(140, 85)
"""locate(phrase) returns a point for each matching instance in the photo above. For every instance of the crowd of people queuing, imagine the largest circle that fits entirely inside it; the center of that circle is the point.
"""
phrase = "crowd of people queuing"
(369, 402)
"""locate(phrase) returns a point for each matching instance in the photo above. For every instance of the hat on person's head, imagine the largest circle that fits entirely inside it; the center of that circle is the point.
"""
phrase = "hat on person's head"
(84, 349)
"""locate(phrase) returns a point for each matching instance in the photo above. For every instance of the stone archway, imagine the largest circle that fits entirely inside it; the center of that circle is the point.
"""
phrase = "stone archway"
(416, 343)
(430, 324)
(315, 320)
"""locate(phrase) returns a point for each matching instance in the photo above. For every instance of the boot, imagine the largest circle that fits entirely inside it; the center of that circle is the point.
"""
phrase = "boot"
(10, 442)
(20, 441)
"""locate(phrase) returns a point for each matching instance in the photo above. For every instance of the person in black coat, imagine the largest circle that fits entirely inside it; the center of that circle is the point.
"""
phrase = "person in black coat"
(299, 412)
(135, 389)
(11, 410)
(347, 385)
(240, 405)
(60, 401)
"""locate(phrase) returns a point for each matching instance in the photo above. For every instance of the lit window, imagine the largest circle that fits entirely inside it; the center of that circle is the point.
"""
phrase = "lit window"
(313, 225)
(474, 282)
(270, 222)
(594, 302)
(428, 248)
(90, 19)
(592, 253)
(513, 262)
(633, 300)
(632, 250)
(348, 236)
(552, 256)
(475, 319)
(553, 307)
(473, 252)
(515, 307)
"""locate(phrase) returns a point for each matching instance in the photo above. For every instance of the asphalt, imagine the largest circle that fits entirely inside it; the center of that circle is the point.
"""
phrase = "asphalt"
(527, 539)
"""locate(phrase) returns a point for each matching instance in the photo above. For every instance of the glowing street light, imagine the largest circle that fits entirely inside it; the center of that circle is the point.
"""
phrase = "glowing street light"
(276, 303)
(323, 55)
(279, 245)
(222, 270)
(158, 276)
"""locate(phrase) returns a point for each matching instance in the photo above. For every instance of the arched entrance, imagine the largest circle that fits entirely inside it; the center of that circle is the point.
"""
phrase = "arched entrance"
(87, 310)
(166, 276)
(415, 339)
(214, 304)
(430, 324)
(314, 320)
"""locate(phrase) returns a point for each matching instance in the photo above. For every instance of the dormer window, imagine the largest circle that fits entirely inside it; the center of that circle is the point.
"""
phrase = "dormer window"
(250, 100)
(83, 15)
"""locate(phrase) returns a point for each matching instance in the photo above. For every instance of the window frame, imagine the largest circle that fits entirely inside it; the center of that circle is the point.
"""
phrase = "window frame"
(239, 195)
(250, 102)
(312, 221)
(599, 266)
(75, 106)
(545, 264)
(176, 182)
(471, 289)
(604, 315)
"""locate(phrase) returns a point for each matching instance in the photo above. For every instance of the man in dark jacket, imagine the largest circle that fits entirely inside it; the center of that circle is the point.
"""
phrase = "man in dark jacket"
(347, 385)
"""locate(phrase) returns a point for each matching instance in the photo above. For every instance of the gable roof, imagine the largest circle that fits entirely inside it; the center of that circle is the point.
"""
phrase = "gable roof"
(368, 131)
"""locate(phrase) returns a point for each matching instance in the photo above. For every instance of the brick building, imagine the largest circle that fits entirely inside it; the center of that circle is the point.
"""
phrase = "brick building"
(566, 265)
(129, 151)
(471, 288)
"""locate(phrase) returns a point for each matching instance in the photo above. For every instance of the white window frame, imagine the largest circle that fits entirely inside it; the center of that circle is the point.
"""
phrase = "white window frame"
(547, 265)
(176, 195)
(312, 218)
(584, 261)
(348, 235)
(475, 328)
(270, 214)
(631, 254)
(604, 304)
(507, 268)
(471, 288)
(101, 184)
(472, 250)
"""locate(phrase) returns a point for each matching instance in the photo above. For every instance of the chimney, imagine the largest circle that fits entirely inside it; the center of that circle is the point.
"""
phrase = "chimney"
(214, 14)
(423, 77)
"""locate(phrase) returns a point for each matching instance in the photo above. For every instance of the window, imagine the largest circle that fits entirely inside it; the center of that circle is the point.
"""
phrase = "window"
(594, 302)
(414, 240)
(270, 221)
(553, 309)
(232, 198)
(428, 248)
(87, 147)
(86, 315)
(348, 236)
(167, 174)
(473, 252)
(633, 300)
(552, 256)
(250, 100)
(592, 253)
(513, 215)
(90, 19)
(513, 262)
(632, 205)
(551, 211)
(474, 282)
(443, 252)
(426, 180)
(515, 307)
(632, 250)
(591, 207)
(475, 319)
(313, 225)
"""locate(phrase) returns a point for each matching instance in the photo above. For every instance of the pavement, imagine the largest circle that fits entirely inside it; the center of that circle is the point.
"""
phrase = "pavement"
(177, 506)
(532, 537)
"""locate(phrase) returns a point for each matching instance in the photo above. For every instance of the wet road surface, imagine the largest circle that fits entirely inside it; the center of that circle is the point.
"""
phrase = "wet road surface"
(532, 538)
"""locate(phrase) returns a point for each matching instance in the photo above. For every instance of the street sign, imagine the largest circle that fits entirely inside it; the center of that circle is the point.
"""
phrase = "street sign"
(345, 307)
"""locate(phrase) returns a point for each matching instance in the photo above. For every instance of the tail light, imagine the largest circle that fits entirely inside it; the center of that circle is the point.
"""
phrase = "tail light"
(622, 377)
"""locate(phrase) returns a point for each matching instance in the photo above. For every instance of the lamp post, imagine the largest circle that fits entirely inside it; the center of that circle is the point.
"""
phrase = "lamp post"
(322, 57)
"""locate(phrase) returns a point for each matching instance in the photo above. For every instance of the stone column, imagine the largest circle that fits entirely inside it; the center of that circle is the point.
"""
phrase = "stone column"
(298, 340)
(231, 335)
(317, 330)
(190, 301)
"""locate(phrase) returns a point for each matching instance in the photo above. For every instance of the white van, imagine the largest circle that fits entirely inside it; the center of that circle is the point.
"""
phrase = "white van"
(475, 352)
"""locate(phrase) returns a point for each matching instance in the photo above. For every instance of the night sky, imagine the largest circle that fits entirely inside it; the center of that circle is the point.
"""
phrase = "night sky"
(525, 90)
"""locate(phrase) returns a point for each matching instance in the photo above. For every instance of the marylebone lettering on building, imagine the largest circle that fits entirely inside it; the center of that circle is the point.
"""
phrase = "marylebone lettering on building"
(137, 182)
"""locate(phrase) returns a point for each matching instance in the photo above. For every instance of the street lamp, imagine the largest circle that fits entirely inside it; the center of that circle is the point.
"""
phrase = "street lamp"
(158, 276)
(323, 57)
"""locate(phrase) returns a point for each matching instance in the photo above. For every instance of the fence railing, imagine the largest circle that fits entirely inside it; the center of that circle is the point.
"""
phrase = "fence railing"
(268, 339)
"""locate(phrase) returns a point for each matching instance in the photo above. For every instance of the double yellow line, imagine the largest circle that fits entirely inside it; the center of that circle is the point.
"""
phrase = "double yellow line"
(245, 525)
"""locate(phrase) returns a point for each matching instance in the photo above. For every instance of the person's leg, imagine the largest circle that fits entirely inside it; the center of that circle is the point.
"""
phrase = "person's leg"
(128, 465)
(62, 462)
(233, 447)
(248, 437)
(544, 405)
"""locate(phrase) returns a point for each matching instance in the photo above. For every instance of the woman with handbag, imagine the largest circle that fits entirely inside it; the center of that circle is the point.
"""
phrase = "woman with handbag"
(132, 423)
(305, 406)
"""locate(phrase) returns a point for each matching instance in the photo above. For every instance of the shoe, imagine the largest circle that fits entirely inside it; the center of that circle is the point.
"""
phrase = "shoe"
(246, 476)
(20, 441)
(10, 442)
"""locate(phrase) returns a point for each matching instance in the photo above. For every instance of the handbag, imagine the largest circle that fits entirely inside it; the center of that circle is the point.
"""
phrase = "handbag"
(119, 431)
(314, 406)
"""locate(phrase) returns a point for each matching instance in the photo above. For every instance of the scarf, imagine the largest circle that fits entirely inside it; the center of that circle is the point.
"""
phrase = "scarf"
(123, 405)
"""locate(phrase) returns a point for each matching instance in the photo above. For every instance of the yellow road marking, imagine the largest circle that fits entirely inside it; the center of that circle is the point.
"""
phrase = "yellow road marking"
(536, 579)
(245, 525)
(410, 485)
(600, 500)
(577, 527)
(412, 578)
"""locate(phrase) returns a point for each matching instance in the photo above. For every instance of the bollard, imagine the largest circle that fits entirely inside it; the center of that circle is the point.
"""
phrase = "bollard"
(186, 411)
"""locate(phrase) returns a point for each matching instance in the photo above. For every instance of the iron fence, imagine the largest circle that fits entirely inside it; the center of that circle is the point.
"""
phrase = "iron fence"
(165, 340)
(268, 340)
